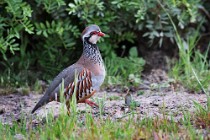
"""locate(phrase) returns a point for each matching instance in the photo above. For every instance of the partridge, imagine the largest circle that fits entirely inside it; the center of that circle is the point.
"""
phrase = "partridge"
(90, 73)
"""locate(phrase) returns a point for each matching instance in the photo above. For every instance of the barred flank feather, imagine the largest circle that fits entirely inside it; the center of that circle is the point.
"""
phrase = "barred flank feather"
(84, 86)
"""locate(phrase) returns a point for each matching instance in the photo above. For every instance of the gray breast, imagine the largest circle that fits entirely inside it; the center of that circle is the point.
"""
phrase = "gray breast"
(97, 80)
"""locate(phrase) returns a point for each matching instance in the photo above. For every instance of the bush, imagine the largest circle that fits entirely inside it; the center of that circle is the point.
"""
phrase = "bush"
(124, 71)
(43, 36)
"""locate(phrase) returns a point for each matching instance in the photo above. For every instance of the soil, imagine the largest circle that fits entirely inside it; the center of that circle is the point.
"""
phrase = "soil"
(156, 96)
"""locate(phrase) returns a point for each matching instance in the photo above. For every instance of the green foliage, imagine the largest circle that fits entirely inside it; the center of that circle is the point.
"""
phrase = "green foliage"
(44, 35)
(14, 20)
(29, 42)
(192, 67)
(124, 70)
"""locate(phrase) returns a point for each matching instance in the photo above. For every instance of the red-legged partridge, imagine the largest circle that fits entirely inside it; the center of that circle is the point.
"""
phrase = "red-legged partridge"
(90, 73)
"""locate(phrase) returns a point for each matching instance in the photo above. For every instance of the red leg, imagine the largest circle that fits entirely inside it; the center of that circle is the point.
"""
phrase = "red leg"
(90, 103)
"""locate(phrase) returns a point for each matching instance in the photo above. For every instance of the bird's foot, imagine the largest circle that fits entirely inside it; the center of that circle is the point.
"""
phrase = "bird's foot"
(68, 112)
(90, 103)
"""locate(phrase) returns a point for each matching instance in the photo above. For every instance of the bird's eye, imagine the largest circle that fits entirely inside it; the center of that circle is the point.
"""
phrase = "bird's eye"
(94, 32)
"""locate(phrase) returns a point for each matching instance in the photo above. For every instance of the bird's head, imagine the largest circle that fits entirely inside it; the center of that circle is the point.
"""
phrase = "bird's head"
(92, 34)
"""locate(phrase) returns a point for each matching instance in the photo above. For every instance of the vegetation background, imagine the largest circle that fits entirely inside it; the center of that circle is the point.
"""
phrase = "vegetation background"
(39, 38)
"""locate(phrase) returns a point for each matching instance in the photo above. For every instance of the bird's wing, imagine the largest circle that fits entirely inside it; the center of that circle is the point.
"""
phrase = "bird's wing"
(83, 85)
(67, 75)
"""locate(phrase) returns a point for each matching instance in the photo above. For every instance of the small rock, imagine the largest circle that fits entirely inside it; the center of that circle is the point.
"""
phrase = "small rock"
(155, 104)
(19, 137)
(128, 99)
(2, 110)
(118, 114)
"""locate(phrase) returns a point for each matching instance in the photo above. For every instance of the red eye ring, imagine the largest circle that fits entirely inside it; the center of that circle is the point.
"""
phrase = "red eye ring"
(97, 33)
(94, 32)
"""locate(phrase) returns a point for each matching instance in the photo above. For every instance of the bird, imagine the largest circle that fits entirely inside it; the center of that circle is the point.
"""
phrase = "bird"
(89, 72)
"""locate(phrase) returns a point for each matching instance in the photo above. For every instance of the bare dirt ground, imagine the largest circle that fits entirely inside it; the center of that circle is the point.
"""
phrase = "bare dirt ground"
(151, 100)
(151, 104)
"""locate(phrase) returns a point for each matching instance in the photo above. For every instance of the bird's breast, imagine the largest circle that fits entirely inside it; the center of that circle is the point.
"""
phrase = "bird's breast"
(98, 76)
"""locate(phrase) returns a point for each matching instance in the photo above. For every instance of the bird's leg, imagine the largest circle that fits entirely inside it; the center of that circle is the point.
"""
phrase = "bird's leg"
(68, 108)
(68, 112)
(90, 103)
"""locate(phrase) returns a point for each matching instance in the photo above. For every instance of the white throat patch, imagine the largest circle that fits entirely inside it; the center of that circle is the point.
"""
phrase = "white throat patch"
(94, 38)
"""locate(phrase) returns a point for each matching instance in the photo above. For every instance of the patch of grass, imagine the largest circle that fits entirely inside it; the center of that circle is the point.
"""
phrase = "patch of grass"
(7, 90)
(192, 68)
(101, 103)
(140, 92)
(65, 127)
(25, 90)
(114, 98)
(159, 86)
(202, 115)
(11, 78)
(134, 104)
(84, 126)
(37, 87)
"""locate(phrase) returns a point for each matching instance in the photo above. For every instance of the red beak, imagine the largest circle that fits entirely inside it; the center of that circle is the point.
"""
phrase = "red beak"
(101, 34)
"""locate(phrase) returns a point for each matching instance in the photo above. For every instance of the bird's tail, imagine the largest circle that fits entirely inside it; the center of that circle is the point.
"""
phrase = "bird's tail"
(44, 100)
